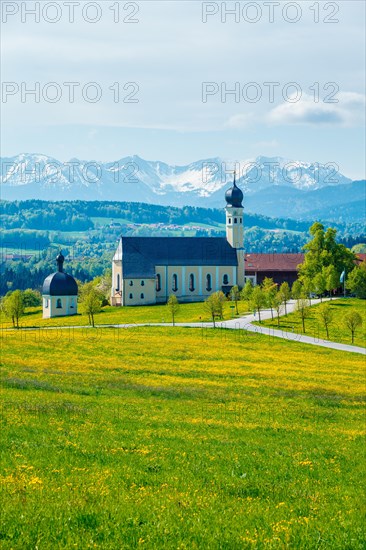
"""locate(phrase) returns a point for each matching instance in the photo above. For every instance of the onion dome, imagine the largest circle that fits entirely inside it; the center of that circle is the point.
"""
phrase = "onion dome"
(60, 283)
(234, 196)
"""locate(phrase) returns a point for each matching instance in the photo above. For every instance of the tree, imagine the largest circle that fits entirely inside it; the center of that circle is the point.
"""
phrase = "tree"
(297, 289)
(323, 250)
(257, 301)
(90, 301)
(352, 321)
(332, 279)
(308, 284)
(320, 284)
(211, 307)
(303, 310)
(278, 306)
(270, 291)
(173, 306)
(247, 290)
(285, 294)
(221, 299)
(13, 306)
(356, 281)
(325, 315)
(235, 297)
(32, 298)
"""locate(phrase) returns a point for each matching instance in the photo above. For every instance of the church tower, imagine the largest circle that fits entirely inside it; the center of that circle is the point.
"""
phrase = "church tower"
(235, 226)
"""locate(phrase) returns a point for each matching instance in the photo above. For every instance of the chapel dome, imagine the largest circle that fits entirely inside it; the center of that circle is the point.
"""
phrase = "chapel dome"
(60, 283)
(234, 196)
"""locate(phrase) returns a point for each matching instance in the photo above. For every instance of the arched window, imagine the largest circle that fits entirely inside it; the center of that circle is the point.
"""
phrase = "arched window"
(142, 296)
(118, 281)
(131, 283)
(229, 220)
(158, 282)
(208, 282)
(142, 283)
(175, 282)
(225, 279)
(191, 282)
(241, 220)
(59, 303)
(235, 220)
(131, 296)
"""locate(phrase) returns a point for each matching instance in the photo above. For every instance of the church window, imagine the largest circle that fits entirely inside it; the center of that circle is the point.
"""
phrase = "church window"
(175, 282)
(235, 220)
(158, 282)
(241, 220)
(142, 283)
(131, 283)
(208, 282)
(118, 282)
(58, 303)
(131, 296)
(191, 282)
(142, 296)
(229, 220)
(225, 279)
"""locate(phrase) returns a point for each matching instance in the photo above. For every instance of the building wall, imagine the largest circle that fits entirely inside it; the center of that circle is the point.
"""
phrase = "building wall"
(183, 273)
(69, 306)
(138, 292)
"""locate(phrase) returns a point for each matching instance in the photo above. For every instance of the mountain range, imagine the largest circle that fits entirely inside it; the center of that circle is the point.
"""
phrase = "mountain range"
(272, 186)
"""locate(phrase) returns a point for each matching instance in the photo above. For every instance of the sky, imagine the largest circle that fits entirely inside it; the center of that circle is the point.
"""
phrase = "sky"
(179, 81)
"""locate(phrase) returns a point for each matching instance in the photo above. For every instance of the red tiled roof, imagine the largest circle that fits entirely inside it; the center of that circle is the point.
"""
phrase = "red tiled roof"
(272, 262)
(278, 262)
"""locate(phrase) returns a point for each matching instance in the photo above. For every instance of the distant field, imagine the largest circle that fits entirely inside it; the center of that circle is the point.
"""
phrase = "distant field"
(337, 331)
(180, 438)
(117, 315)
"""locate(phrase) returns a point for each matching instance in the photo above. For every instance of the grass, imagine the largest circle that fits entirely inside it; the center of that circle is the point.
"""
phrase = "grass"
(179, 438)
(337, 330)
(193, 312)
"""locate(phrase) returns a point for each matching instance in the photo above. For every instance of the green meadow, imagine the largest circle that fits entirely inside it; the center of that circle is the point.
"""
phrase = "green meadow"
(161, 437)
(109, 315)
(337, 330)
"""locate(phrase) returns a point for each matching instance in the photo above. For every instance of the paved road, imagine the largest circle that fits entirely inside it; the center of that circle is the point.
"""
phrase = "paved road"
(241, 323)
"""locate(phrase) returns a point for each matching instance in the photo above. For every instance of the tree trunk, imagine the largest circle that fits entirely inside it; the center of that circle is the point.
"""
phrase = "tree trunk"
(92, 319)
(259, 315)
(353, 336)
(326, 328)
(285, 308)
(303, 324)
(173, 320)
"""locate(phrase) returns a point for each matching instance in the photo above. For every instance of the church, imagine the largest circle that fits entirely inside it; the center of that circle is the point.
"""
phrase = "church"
(147, 270)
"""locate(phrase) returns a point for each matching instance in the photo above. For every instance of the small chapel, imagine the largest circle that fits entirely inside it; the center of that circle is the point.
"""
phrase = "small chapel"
(59, 292)
(147, 270)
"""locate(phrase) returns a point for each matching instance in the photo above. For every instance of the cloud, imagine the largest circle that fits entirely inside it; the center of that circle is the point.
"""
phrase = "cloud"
(239, 121)
(349, 111)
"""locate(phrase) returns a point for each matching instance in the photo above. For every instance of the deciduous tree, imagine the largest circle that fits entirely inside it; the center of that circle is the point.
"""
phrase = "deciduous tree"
(173, 306)
(352, 321)
(325, 315)
(13, 306)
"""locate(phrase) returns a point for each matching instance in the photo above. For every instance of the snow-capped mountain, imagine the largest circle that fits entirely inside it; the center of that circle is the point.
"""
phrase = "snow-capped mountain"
(201, 183)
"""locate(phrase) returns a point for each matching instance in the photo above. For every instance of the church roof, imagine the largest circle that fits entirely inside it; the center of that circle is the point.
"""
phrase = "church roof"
(140, 255)
(60, 284)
